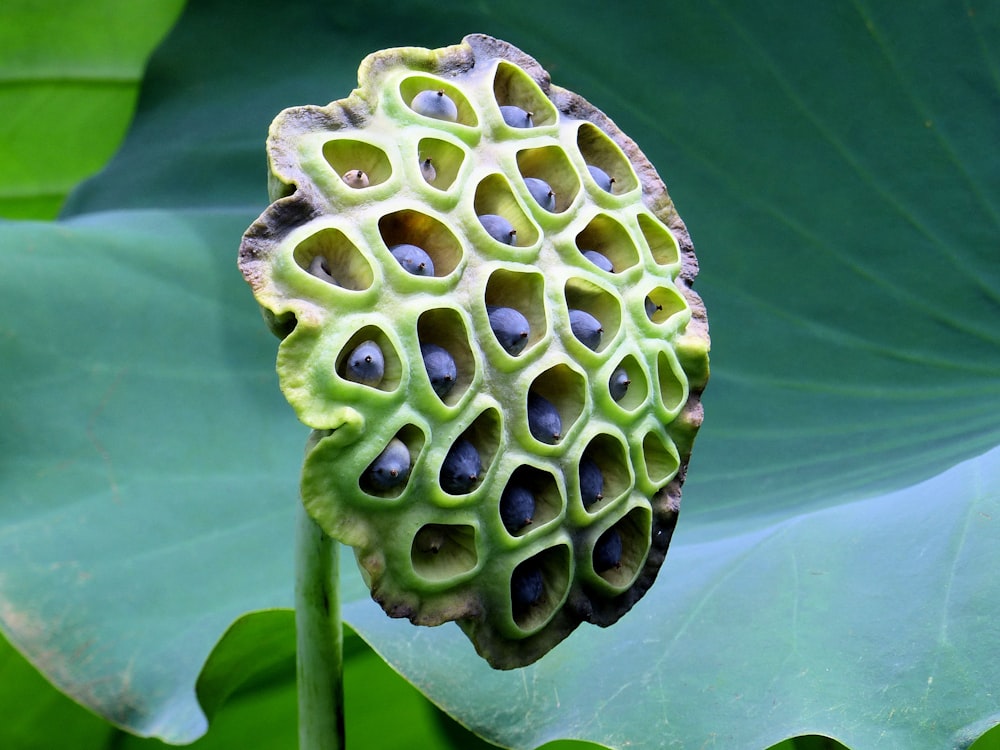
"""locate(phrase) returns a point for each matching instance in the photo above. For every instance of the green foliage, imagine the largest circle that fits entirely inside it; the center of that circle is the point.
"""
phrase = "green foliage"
(833, 569)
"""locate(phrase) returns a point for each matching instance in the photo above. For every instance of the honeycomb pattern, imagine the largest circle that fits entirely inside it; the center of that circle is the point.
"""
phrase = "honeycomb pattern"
(484, 298)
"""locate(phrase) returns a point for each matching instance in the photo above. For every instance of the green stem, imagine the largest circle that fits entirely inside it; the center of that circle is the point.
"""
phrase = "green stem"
(319, 637)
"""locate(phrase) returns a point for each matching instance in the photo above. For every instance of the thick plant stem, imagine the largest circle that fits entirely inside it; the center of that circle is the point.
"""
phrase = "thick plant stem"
(319, 637)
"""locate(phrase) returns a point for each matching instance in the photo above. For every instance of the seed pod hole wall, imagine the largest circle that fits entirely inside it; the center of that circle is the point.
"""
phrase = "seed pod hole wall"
(483, 294)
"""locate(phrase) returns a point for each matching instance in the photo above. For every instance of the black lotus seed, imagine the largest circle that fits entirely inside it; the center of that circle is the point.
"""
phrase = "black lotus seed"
(391, 468)
(541, 192)
(441, 368)
(414, 259)
(608, 551)
(652, 308)
(586, 328)
(517, 507)
(544, 421)
(320, 268)
(461, 469)
(366, 364)
(510, 327)
(599, 259)
(591, 481)
(603, 179)
(526, 588)
(355, 178)
(436, 104)
(499, 228)
(619, 383)
(517, 117)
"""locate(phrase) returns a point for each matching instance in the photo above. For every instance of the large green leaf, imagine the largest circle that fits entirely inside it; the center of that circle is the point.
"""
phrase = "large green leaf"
(69, 77)
(829, 573)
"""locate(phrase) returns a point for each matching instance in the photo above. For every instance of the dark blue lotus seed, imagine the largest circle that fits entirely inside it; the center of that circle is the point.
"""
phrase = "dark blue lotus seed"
(608, 551)
(599, 259)
(517, 507)
(591, 482)
(499, 228)
(391, 468)
(320, 268)
(517, 117)
(619, 383)
(586, 327)
(436, 104)
(366, 364)
(526, 588)
(652, 308)
(603, 179)
(541, 192)
(461, 469)
(414, 259)
(510, 327)
(440, 366)
(543, 419)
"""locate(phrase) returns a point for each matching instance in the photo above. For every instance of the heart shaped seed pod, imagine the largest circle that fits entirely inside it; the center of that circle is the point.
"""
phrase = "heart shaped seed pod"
(514, 460)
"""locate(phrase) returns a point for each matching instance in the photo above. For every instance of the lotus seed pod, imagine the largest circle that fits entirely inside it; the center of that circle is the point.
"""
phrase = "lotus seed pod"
(540, 492)
(436, 104)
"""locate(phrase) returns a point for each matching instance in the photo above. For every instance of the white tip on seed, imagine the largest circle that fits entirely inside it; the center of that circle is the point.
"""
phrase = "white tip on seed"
(355, 178)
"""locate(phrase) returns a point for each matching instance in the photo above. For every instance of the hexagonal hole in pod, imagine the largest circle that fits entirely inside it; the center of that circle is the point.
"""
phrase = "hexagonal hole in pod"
(661, 241)
(530, 499)
(671, 381)
(388, 473)
(660, 458)
(619, 551)
(441, 552)
(470, 456)
(357, 163)
(369, 359)
(627, 384)
(554, 402)
(409, 227)
(604, 473)
(538, 587)
(513, 87)
(331, 257)
(662, 303)
(599, 151)
(494, 198)
(440, 162)
(548, 166)
(525, 294)
(412, 86)
(445, 329)
(607, 237)
(595, 304)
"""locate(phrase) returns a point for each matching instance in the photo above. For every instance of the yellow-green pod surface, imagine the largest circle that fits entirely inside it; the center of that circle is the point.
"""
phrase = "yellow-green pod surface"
(353, 180)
